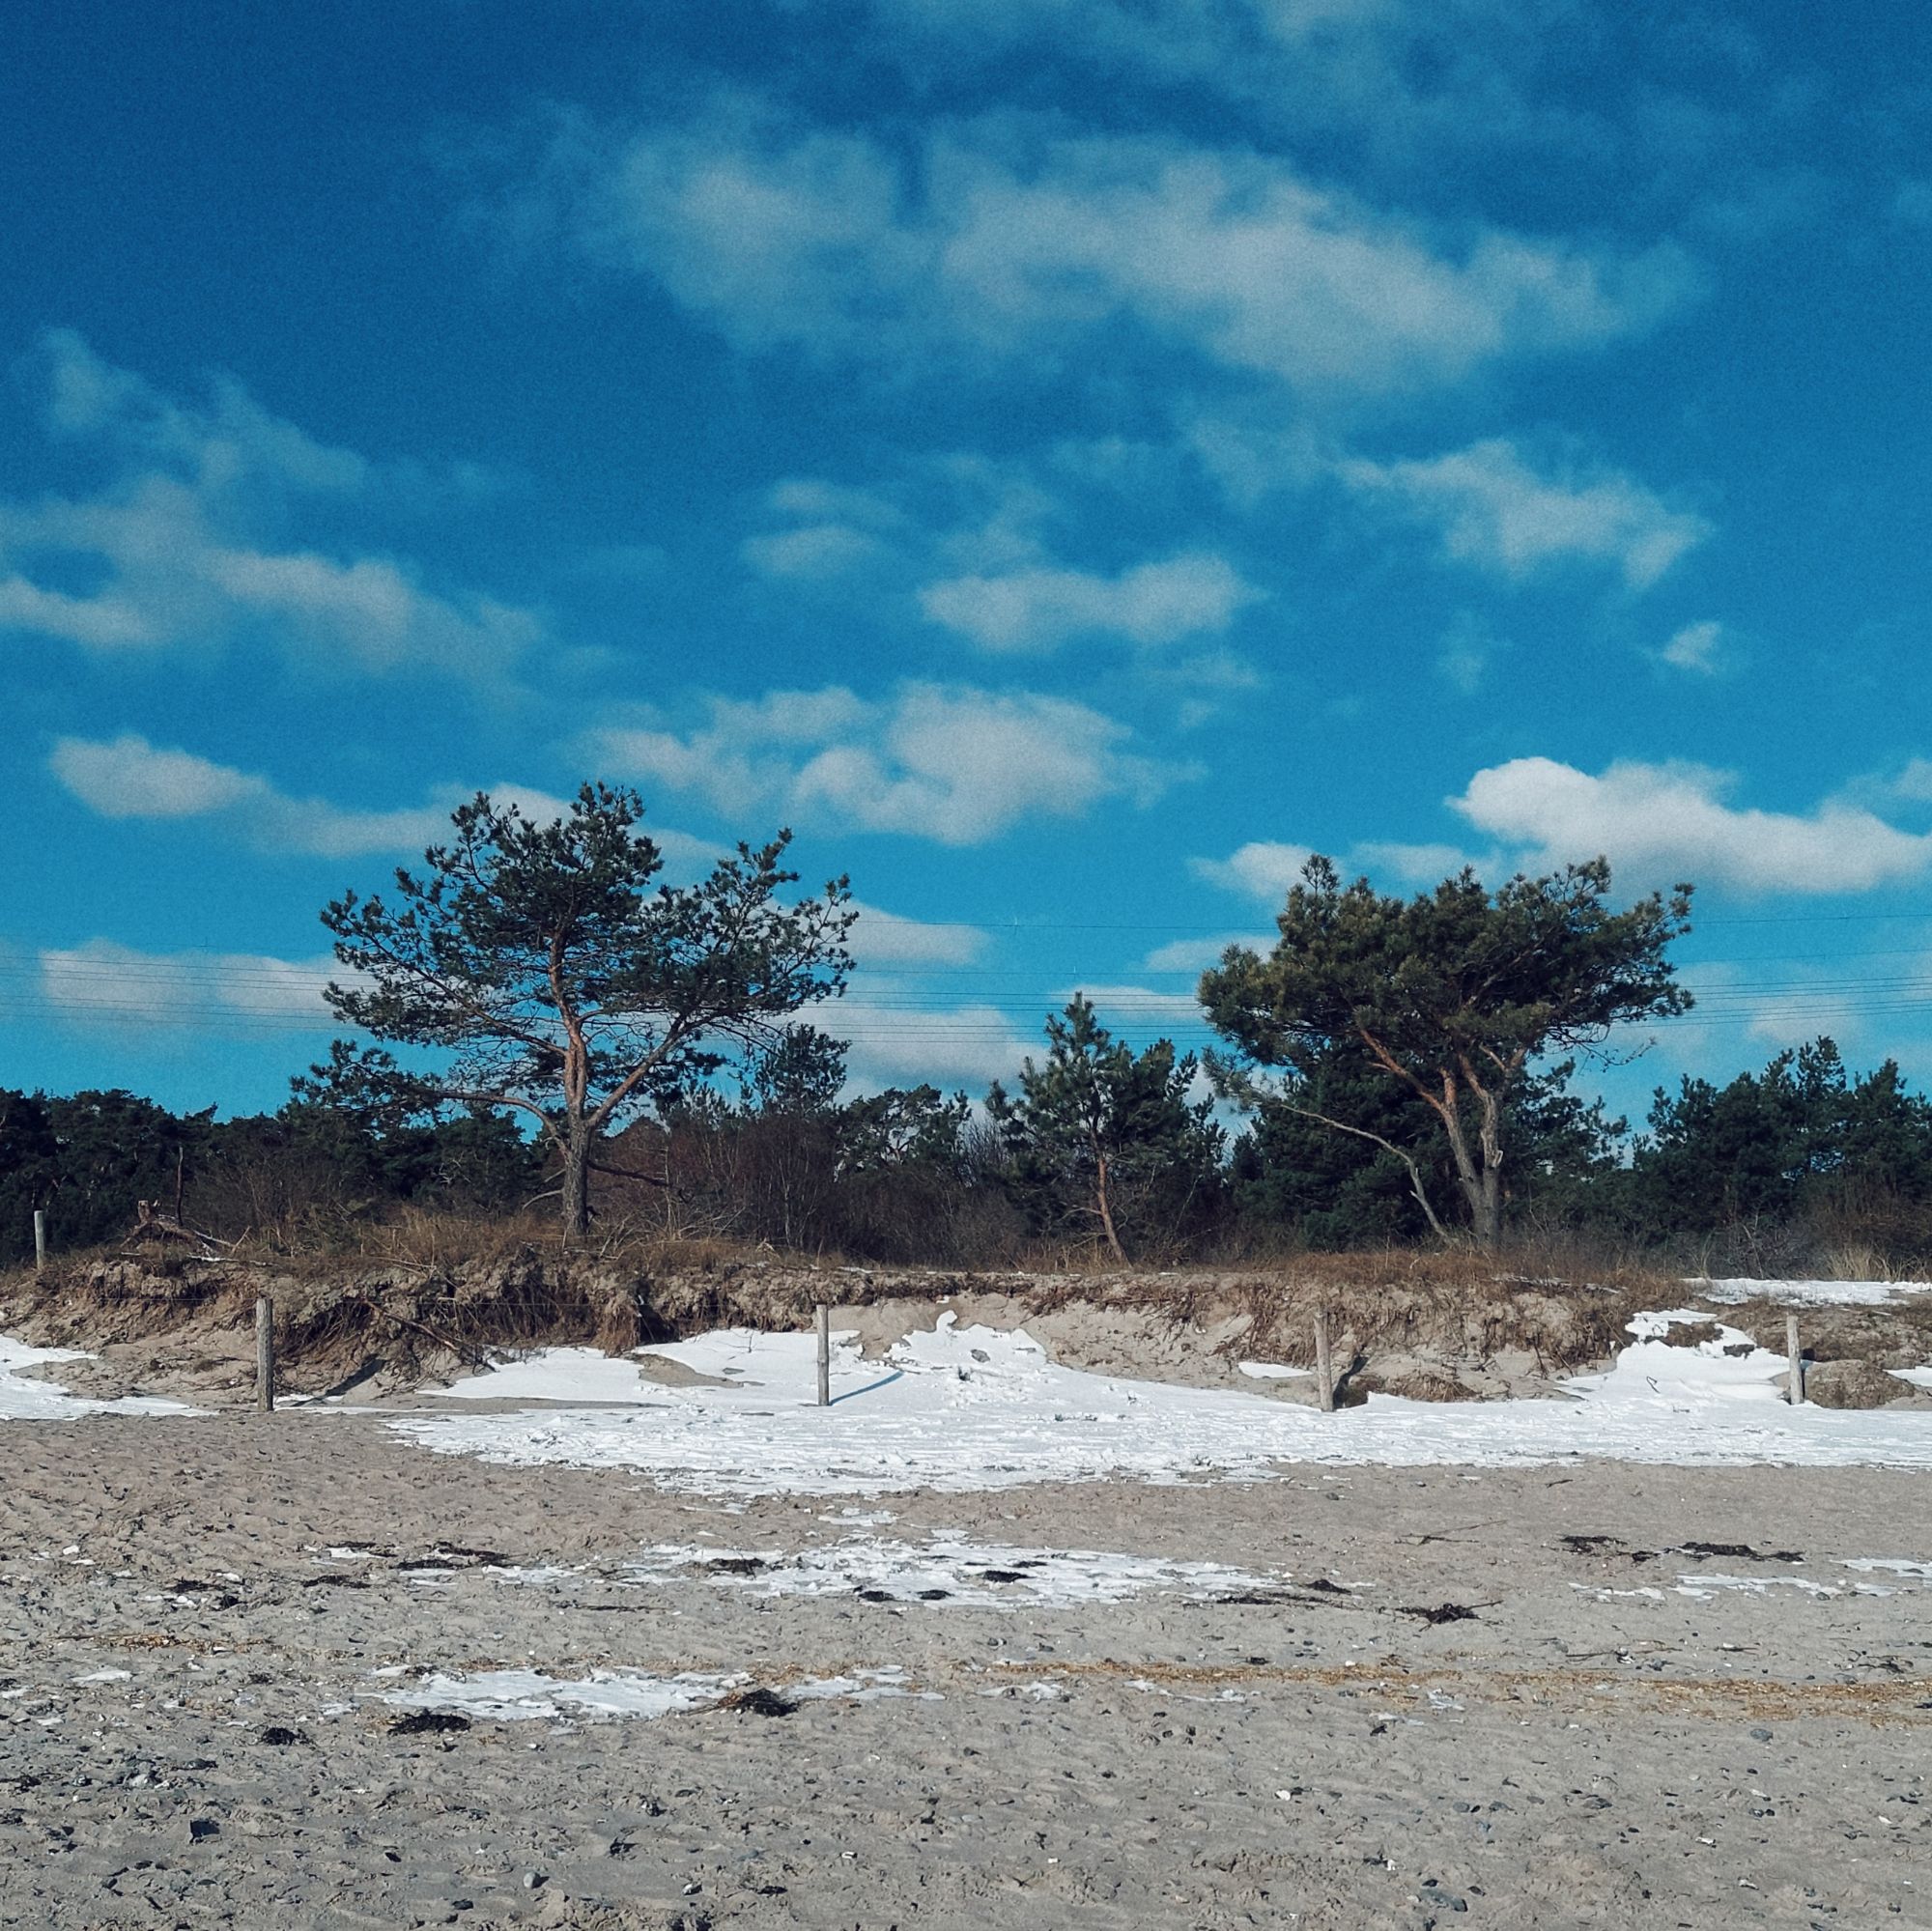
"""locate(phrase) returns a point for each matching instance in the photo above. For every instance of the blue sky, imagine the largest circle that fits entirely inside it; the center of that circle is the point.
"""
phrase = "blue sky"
(1066, 458)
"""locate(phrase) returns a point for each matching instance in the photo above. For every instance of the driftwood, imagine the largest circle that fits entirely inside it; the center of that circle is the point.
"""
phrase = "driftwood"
(151, 1224)
(463, 1350)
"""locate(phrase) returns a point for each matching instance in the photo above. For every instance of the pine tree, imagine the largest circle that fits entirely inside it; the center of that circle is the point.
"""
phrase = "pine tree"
(1098, 1129)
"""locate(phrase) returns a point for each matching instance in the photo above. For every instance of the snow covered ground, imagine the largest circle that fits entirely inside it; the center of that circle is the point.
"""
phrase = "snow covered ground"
(28, 1398)
(555, 1374)
(958, 1410)
(511, 1695)
(948, 1569)
(1810, 1294)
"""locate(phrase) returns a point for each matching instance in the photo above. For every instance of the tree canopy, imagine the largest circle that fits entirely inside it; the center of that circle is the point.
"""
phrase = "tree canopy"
(545, 971)
(1099, 1132)
(1450, 996)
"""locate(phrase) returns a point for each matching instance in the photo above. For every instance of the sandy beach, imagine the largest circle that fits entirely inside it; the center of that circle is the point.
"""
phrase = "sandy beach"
(215, 1626)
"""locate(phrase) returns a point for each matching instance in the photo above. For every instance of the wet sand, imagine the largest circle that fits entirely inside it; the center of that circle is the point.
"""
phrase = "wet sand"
(192, 1730)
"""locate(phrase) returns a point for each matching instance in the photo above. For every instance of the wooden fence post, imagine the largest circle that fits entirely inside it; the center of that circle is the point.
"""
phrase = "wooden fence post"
(264, 1354)
(824, 1355)
(1324, 1366)
(39, 1241)
(1794, 1355)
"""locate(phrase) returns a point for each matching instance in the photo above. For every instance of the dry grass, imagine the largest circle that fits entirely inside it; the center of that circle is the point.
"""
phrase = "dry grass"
(437, 1242)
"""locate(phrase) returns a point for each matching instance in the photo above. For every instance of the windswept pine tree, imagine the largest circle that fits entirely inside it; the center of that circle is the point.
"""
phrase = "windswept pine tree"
(539, 968)
(1451, 998)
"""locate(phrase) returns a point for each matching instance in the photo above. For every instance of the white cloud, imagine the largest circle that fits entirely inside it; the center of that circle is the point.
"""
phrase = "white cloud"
(1696, 647)
(971, 541)
(1914, 782)
(813, 549)
(231, 440)
(1494, 510)
(1660, 823)
(129, 778)
(991, 242)
(1139, 1009)
(1412, 863)
(186, 539)
(1267, 872)
(1249, 461)
(886, 939)
(1196, 956)
(1261, 868)
(1737, 1009)
(899, 1044)
(1036, 609)
(101, 622)
(947, 762)
(1655, 823)
(103, 983)
(126, 778)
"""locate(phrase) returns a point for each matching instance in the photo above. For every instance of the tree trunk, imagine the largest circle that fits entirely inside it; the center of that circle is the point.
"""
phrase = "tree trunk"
(1105, 1208)
(1480, 1178)
(1486, 1204)
(1489, 1218)
(577, 1185)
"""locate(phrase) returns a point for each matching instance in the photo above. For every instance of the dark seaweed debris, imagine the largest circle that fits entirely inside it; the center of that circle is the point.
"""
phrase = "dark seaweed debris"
(760, 1702)
(428, 1724)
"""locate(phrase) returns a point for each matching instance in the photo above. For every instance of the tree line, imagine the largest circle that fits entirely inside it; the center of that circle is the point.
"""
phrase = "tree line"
(542, 1024)
(1770, 1173)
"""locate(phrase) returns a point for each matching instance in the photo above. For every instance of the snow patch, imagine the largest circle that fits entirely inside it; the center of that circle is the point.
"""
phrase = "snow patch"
(26, 1398)
(958, 1409)
(1704, 1586)
(1810, 1294)
(552, 1374)
(523, 1696)
(947, 1570)
(516, 1695)
(1272, 1370)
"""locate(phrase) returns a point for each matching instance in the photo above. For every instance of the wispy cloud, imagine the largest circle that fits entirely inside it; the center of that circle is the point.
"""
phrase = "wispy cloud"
(106, 984)
(1038, 609)
(1698, 647)
(1140, 1008)
(893, 1043)
(1196, 956)
(948, 762)
(127, 777)
(889, 940)
(1263, 869)
(1498, 511)
(1266, 870)
(191, 539)
(993, 242)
